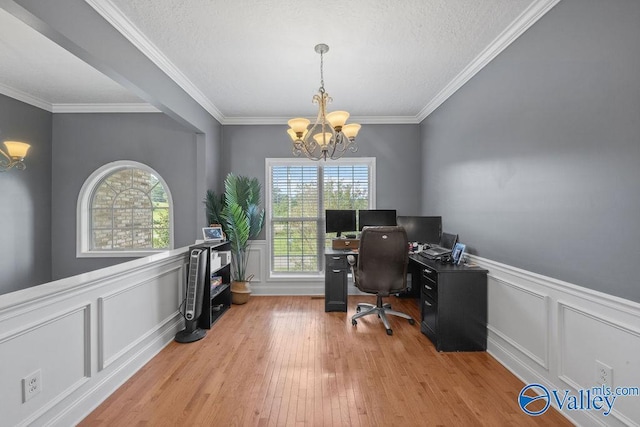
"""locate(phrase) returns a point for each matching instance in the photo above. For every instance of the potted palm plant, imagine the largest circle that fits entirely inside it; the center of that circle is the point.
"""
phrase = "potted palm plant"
(238, 211)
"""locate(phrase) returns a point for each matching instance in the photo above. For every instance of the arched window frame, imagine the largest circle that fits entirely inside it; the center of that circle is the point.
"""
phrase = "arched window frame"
(83, 224)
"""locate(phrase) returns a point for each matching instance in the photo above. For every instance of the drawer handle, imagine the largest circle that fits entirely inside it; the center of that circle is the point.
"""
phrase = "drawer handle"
(337, 271)
(426, 270)
(428, 287)
(427, 303)
(336, 257)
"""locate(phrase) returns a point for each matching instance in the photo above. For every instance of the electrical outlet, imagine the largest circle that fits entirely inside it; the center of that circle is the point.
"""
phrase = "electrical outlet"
(604, 374)
(31, 385)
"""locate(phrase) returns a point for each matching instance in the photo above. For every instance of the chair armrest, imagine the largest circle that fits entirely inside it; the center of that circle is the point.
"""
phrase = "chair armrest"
(352, 263)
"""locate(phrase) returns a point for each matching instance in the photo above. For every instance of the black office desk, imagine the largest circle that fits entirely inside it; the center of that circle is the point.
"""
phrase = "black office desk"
(453, 301)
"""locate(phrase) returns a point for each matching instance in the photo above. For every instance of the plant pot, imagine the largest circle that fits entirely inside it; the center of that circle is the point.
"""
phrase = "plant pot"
(240, 292)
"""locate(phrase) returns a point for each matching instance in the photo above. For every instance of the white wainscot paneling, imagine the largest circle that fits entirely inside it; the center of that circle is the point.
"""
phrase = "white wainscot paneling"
(520, 317)
(584, 338)
(87, 334)
(552, 332)
(129, 315)
(65, 340)
(256, 261)
(262, 284)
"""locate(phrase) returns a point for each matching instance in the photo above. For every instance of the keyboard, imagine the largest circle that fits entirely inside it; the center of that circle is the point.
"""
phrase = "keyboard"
(435, 252)
(426, 255)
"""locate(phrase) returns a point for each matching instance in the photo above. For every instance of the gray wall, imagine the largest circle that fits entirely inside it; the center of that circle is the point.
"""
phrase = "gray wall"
(83, 143)
(535, 161)
(25, 199)
(78, 28)
(396, 148)
(185, 154)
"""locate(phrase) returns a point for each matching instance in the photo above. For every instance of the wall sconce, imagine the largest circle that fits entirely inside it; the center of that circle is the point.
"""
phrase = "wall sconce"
(16, 152)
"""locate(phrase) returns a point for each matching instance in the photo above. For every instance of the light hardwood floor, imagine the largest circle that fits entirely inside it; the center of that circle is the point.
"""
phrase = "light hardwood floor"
(280, 361)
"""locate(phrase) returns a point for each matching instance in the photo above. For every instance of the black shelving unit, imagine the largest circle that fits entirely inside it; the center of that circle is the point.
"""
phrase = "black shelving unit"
(218, 300)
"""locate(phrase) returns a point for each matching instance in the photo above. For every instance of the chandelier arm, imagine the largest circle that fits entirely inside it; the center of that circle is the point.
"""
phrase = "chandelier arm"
(306, 147)
(20, 165)
(340, 145)
(334, 146)
(5, 165)
(306, 153)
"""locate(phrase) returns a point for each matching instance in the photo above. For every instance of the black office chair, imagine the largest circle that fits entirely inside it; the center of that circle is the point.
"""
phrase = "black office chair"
(381, 269)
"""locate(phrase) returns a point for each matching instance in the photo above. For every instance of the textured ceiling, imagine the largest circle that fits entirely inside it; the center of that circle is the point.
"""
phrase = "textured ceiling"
(251, 60)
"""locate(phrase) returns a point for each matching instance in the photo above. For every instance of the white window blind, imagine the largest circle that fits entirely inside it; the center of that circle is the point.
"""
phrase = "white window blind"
(298, 195)
(295, 214)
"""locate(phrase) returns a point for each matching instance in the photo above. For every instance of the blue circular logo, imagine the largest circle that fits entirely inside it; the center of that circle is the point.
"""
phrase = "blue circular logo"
(538, 393)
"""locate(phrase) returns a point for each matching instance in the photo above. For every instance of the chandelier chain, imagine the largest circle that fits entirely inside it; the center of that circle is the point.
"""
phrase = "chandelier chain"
(321, 72)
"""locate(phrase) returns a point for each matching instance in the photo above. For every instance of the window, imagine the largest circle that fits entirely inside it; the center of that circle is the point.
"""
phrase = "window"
(298, 192)
(125, 209)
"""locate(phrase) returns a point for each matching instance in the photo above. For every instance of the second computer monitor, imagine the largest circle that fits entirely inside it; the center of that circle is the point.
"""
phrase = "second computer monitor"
(367, 218)
(422, 229)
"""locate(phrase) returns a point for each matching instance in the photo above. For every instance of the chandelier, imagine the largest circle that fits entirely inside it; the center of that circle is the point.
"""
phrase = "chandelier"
(16, 152)
(329, 136)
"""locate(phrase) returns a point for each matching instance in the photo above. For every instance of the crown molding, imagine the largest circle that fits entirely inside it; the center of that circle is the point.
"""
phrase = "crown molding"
(365, 120)
(120, 22)
(526, 19)
(231, 121)
(25, 97)
(104, 108)
(76, 108)
(385, 120)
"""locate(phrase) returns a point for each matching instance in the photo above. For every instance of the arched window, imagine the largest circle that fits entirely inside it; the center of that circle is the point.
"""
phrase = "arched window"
(124, 209)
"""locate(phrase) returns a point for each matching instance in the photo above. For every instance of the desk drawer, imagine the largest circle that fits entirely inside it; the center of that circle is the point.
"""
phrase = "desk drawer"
(429, 290)
(429, 324)
(336, 262)
(428, 274)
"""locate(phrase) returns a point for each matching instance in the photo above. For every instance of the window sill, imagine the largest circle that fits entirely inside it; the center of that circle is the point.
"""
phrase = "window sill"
(279, 277)
(118, 254)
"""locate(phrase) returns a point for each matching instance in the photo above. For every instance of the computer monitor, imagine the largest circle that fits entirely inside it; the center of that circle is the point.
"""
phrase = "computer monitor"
(448, 240)
(340, 220)
(422, 229)
(376, 217)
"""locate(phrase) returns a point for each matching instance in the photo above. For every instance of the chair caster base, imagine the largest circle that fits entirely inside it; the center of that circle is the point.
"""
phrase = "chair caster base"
(389, 332)
(412, 322)
(354, 322)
